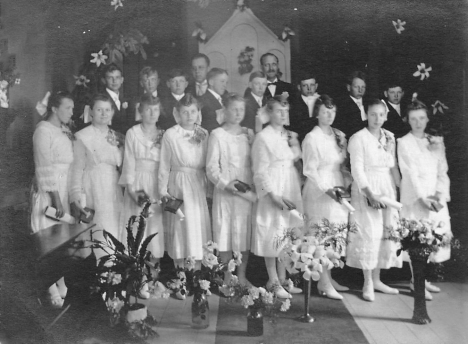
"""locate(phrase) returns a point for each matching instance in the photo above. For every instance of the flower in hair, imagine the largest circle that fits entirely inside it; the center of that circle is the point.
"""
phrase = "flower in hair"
(422, 71)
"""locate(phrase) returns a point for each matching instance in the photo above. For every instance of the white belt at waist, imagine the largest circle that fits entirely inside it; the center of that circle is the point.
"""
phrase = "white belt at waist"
(145, 165)
(281, 164)
(186, 169)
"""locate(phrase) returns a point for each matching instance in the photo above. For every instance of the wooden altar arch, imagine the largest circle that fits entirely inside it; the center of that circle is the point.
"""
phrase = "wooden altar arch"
(243, 29)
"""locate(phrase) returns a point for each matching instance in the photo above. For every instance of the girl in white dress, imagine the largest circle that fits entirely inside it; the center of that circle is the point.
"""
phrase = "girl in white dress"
(372, 152)
(140, 173)
(276, 179)
(227, 163)
(95, 172)
(425, 182)
(53, 156)
(182, 176)
(324, 155)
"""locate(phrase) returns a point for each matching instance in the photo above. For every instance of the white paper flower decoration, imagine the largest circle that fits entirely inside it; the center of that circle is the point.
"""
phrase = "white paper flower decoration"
(199, 33)
(287, 32)
(116, 4)
(17, 81)
(438, 106)
(422, 71)
(98, 58)
(399, 25)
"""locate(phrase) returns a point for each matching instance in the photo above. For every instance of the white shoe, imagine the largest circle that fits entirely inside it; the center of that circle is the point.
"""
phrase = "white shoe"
(279, 291)
(432, 288)
(329, 291)
(378, 285)
(368, 291)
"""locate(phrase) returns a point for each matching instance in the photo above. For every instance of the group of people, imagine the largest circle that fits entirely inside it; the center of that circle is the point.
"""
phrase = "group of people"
(204, 147)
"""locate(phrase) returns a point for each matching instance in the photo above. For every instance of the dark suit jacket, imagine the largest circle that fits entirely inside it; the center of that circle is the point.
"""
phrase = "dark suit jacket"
(120, 122)
(251, 108)
(299, 119)
(166, 119)
(395, 123)
(192, 89)
(348, 117)
(209, 106)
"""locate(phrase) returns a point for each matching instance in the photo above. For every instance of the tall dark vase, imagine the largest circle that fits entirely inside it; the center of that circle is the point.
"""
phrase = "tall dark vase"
(306, 316)
(419, 263)
(254, 322)
(200, 311)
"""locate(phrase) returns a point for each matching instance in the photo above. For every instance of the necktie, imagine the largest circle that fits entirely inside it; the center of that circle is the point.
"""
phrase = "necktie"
(201, 88)
(259, 101)
(361, 107)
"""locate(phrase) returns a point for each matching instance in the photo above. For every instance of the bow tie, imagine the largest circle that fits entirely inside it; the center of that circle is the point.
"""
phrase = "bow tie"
(201, 83)
(273, 83)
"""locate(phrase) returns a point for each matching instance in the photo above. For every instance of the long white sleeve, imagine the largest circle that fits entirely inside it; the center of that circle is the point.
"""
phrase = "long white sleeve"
(408, 167)
(79, 163)
(164, 164)
(356, 151)
(443, 181)
(128, 169)
(311, 159)
(213, 163)
(261, 162)
(43, 158)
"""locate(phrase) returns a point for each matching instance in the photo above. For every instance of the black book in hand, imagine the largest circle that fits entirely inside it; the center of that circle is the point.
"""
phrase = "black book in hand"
(172, 205)
(87, 218)
(242, 187)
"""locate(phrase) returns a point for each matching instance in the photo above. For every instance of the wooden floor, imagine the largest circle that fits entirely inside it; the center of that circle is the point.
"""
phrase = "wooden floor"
(384, 321)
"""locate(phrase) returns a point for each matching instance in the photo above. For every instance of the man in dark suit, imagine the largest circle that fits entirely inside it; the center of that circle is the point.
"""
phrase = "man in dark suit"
(269, 65)
(212, 99)
(255, 99)
(177, 83)
(395, 123)
(302, 107)
(351, 115)
(200, 67)
(113, 80)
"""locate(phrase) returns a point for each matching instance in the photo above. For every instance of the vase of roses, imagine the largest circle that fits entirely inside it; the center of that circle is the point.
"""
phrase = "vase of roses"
(125, 271)
(419, 238)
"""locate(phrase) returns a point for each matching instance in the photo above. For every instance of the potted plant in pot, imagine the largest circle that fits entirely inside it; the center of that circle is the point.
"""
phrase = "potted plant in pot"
(125, 272)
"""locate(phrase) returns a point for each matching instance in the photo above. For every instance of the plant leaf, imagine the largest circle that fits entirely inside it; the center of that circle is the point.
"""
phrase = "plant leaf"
(118, 245)
(145, 245)
(140, 232)
(130, 237)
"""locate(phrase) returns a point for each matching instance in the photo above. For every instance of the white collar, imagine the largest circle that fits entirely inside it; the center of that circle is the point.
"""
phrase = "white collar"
(357, 101)
(395, 106)
(276, 80)
(113, 94)
(178, 97)
(257, 98)
(203, 83)
(216, 95)
(154, 94)
(310, 98)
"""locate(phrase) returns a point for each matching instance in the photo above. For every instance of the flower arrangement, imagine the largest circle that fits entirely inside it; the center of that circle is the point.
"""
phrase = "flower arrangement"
(257, 298)
(115, 138)
(435, 142)
(124, 271)
(245, 60)
(389, 142)
(158, 139)
(314, 248)
(189, 279)
(418, 236)
(199, 134)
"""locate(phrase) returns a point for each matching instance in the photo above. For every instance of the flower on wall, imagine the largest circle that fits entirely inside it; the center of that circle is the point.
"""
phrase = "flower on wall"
(98, 58)
(287, 33)
(399, 26)
(439, 107)
(422, 71)
(81, 80)
(116, 4)
(245, 60)
(199, 33)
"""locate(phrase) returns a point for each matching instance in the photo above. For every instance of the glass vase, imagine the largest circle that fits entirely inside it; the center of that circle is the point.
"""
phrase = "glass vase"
(419, 262)
(200, 311)
(254, 322)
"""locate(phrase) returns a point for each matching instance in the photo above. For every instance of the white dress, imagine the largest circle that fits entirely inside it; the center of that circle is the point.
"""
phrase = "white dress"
(140, 169)
(229, 159)
(274, 171)
(323, 166)
(53, 155)
(424, 172)
(182, 175)
(372, 166)
(95, 175)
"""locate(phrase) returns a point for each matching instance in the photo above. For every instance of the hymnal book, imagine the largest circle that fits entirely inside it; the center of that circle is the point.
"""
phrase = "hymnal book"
(341, 192)
(242, 187)
(89, 215)
(173, 206)
(437, 206)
